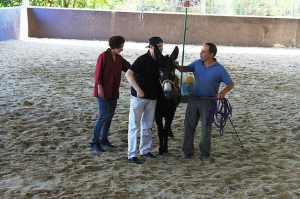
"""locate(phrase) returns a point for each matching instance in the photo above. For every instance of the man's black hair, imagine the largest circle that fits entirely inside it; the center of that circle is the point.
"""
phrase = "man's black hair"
(212, 48)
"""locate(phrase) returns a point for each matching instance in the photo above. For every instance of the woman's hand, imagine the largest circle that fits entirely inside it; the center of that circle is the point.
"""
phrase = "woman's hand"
(100, 91)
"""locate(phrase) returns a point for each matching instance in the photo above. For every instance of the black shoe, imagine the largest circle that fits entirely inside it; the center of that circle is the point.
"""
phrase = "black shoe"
(149, 155)
(205, 160)
(96, 148)
(134, 160)
(106, 143)
(184, 157)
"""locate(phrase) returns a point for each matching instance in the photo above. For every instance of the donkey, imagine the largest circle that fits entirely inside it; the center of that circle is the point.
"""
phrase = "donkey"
(168, 97)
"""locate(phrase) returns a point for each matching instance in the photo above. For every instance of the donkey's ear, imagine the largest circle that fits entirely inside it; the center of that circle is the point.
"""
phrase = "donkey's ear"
(174, 54)
(157, 53)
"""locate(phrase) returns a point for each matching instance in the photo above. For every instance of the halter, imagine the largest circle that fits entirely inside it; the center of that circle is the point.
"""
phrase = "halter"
(172, 83)
(174, 91)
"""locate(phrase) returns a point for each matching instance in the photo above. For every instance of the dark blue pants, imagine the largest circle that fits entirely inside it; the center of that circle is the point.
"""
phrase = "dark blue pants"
(106, 108)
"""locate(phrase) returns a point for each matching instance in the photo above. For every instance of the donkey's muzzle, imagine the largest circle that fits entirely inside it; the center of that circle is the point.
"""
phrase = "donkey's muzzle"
(168, 90)
(168, 94)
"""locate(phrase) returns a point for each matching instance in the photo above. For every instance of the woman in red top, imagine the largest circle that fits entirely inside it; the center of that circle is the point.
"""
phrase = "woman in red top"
(107, 82)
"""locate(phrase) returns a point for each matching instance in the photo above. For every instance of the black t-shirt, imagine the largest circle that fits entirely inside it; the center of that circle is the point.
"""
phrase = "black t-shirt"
(146, 74)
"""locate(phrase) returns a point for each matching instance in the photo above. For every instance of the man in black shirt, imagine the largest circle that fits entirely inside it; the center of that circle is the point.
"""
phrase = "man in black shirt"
(143, 77)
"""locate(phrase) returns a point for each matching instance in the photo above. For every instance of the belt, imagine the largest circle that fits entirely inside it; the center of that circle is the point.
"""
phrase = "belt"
(203, 97)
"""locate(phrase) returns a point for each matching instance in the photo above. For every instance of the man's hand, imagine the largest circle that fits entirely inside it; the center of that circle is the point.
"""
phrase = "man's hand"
(176, 63)
(221, 95)
(180, 68)
(131, 79)
(140, 93)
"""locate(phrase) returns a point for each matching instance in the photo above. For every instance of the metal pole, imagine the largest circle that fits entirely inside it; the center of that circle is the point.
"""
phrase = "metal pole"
(239, 139)
(184, 33)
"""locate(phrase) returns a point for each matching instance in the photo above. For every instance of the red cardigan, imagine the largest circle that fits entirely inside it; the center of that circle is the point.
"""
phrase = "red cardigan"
(108, 74)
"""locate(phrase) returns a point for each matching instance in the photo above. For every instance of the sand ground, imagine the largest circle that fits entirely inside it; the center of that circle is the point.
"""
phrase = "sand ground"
(47, 114)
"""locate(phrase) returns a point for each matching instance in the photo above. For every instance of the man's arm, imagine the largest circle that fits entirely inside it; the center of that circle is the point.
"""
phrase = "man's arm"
(228, 88)
(131, 79)
(180, 68)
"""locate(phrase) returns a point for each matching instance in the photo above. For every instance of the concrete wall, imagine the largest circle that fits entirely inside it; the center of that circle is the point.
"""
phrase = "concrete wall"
(99, 25)
(244, 31)
(9, 23)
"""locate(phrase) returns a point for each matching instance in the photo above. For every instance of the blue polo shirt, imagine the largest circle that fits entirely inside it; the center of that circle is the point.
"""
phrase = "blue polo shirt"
(207, 80)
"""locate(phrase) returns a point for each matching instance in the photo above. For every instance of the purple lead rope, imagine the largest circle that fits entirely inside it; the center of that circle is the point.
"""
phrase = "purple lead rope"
(222, 111)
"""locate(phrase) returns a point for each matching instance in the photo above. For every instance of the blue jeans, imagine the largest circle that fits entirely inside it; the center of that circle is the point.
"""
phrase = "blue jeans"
(106, 109)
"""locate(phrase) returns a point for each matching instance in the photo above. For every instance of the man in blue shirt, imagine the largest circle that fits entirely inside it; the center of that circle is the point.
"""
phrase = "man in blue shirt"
(208, 75)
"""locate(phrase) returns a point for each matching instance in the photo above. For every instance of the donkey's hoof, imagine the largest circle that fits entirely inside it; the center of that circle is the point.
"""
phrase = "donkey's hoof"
(171, 137)
(160, 151)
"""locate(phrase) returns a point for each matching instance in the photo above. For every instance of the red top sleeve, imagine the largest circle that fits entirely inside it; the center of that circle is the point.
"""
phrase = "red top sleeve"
(108, 74)
(99, 69)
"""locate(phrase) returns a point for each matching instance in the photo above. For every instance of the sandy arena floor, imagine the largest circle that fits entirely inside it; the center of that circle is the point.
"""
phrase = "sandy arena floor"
(47, 114)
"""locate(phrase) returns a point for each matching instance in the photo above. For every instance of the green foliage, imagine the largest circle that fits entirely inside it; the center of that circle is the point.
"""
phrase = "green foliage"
(10, 3)
(228, 7)
(93, 4)
(37, 2)
(251, 7)
(103, 4)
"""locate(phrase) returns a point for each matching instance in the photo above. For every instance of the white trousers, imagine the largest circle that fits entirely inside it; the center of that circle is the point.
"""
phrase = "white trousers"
(141, 118)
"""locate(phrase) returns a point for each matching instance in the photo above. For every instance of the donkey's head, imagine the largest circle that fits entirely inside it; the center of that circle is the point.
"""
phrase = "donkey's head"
(167, 71)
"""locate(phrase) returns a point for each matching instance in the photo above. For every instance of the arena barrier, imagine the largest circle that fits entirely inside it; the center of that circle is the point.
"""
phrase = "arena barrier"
(9, 24)
(136, 26)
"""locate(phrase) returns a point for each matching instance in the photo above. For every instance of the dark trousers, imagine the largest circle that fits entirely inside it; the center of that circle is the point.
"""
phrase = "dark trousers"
(106, 109)
(197, 108)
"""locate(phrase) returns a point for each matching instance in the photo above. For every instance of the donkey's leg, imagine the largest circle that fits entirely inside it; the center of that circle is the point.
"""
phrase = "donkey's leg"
(165, 139)
(171, 117)
(160, 131)
(168, 119)
(171, 136)
(166, 133)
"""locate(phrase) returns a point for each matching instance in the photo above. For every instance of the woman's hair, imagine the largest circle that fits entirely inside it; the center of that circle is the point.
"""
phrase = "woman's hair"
(116, 41)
